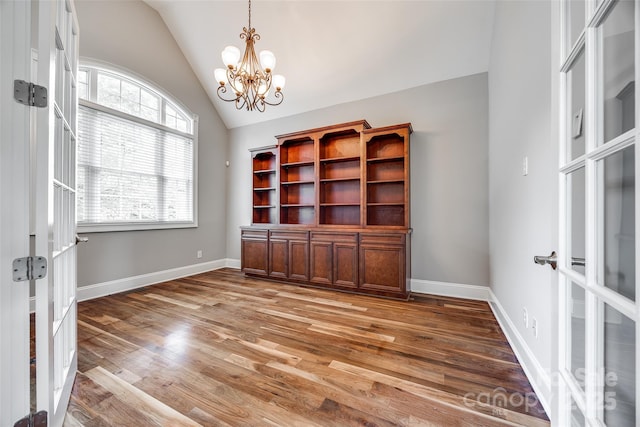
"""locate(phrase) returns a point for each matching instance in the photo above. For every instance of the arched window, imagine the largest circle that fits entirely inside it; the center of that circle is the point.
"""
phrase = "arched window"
(136, 154)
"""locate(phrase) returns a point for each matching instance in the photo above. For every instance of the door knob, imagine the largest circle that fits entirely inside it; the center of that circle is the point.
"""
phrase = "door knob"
(552, 260)
(81, 239)
(578, 261)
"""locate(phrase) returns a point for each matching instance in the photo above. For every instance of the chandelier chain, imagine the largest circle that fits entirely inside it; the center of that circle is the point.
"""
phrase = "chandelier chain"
(249, 15)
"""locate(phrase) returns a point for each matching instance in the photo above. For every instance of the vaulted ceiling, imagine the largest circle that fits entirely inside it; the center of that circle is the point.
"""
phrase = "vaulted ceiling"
(334, 52)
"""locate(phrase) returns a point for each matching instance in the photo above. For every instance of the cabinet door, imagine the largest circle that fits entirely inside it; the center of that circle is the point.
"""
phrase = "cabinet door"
(321, 262)
(382, 268)
(278, 258)
(299, 260)
(345, 264)
(383, 263)
(254, 252)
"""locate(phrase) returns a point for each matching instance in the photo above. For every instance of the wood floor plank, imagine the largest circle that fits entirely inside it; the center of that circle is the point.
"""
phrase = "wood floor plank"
(429, 393)
(221, 349)
(117, 412)
(174, 301)
(160, 412)
(344, 415)
(324, 301)
(434, 413)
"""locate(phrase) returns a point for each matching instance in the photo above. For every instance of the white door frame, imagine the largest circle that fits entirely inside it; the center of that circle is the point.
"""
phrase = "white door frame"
(15, 63)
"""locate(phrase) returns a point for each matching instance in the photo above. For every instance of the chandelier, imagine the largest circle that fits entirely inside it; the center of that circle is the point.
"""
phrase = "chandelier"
(248, 82)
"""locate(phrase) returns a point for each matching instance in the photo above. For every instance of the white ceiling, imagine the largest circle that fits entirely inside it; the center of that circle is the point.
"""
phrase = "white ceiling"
(338, 51)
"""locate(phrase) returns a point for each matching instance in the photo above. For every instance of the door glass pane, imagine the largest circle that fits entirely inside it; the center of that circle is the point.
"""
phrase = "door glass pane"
(576, 214)
(617, 37)
(616, 174)
(577, 419)
(619, 400)
(576, 11)
(577, 312)
(576, 108)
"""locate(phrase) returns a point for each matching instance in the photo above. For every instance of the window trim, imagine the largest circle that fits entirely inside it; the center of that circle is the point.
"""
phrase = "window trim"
(166, 97)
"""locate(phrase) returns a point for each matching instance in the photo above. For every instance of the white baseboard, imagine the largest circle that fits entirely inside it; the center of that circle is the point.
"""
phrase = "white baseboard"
(128, 283)
(447, 289)
(538, 377)
(233, 263)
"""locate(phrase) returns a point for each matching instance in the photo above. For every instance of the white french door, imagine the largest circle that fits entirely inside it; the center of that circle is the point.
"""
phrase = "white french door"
(599, 211)
(55, 210)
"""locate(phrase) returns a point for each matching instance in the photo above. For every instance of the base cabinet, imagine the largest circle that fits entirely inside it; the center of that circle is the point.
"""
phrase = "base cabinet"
(382, 262)
(288, 255)
(255, 252)
(334, 259)
(363, 262)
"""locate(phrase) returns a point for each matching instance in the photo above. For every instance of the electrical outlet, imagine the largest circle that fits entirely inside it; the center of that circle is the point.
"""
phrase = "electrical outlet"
(525, 317)
(534, 327)
(199, 254)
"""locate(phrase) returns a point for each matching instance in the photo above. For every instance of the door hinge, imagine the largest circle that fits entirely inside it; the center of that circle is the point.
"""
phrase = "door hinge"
(37, 419)
(29, 94)
(29, 268)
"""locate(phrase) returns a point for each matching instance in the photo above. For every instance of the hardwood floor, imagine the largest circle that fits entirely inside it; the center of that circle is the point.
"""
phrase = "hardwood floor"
(219, 349)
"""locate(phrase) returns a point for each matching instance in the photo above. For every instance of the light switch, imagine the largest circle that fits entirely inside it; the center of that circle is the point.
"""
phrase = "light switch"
(525, 166)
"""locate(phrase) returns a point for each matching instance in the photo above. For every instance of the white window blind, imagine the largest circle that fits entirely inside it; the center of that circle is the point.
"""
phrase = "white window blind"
(130, 172)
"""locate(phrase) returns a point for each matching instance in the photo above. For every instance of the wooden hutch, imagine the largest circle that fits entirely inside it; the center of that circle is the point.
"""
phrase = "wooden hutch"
(331, 209)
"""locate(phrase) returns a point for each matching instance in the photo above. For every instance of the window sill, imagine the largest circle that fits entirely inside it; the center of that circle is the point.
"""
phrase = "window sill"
(132, 226)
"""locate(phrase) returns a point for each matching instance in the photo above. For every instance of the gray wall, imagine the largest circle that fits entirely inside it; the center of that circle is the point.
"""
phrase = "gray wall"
(523, 209)
(449, 171)
(111, 31)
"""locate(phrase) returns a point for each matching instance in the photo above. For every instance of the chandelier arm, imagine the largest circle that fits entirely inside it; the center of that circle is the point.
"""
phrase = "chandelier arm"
(278, 95)
(231, 78)
(223, 90)
(253, 94)
(267, 79)
(241, 102)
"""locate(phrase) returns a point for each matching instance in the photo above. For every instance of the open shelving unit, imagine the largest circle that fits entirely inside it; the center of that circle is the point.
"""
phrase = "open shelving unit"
(346, 175)
(340, 195)
(263, 163)
(297, 181)
(387, 192)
